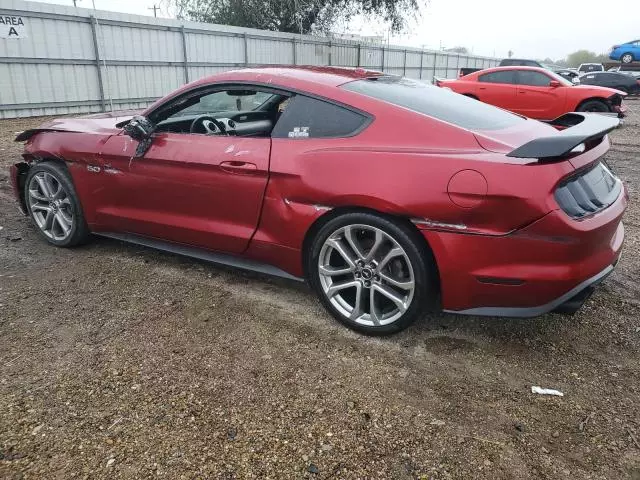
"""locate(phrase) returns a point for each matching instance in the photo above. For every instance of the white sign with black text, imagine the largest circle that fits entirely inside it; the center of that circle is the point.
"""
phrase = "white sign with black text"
(12, 27)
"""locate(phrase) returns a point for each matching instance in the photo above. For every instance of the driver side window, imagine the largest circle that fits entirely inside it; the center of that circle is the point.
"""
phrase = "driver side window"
(224, 101)
(240, 110)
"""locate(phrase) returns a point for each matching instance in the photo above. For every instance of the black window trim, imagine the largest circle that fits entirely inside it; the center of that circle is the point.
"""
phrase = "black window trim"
(511, 70)
(517, 73)
(366, 119)
(271, 88)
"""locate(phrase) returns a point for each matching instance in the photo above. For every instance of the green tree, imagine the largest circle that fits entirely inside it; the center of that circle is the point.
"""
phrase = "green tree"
(295, 16)
(585, 56)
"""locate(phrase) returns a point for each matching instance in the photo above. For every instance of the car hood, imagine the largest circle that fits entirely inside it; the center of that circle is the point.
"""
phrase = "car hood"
(96, 123)
(99, 123)
(586, 89)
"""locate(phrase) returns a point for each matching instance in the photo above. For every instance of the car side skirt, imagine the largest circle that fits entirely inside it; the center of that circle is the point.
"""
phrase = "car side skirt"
(201, 254)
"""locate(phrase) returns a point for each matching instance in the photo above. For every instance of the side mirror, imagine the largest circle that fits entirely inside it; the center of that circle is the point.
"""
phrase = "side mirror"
(554, 84)
(140, 128)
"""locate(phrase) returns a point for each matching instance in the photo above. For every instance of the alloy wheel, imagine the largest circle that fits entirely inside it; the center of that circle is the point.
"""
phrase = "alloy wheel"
(366, 275)
(50, 206)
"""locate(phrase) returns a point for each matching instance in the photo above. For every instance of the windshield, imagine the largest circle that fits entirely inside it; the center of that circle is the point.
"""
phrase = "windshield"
(560, 79)
(440, 103)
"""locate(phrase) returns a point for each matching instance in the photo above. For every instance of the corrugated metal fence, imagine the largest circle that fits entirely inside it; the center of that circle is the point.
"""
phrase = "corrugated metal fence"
(74, 60)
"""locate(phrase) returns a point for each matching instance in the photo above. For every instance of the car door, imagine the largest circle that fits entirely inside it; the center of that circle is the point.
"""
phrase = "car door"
(498, 88)
(196, 189)
(536, 98)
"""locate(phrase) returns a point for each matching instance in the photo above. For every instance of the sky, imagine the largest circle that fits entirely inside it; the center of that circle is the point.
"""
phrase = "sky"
(530, 29)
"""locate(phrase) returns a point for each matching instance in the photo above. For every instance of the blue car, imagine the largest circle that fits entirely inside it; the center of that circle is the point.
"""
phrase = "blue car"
(627, 52)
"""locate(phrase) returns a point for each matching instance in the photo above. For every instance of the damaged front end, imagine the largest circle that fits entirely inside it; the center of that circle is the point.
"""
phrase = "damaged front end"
(18, 175)
(617, 105)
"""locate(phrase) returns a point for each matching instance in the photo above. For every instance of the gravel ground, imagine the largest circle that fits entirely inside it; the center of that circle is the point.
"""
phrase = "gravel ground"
(122, 362)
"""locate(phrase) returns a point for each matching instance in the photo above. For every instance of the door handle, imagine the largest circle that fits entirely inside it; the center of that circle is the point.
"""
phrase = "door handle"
(235, 166)
(482, 88)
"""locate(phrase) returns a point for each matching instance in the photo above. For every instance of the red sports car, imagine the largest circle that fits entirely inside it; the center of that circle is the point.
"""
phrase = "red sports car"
(388, 195)
(536, 92)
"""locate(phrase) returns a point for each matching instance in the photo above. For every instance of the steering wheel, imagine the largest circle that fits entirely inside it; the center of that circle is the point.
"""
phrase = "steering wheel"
(208, 125)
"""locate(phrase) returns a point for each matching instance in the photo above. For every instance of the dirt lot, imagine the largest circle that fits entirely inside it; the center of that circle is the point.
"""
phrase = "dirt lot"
(121, 362)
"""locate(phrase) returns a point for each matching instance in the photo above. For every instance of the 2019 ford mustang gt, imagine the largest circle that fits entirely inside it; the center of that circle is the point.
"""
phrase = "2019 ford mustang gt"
(389, 196)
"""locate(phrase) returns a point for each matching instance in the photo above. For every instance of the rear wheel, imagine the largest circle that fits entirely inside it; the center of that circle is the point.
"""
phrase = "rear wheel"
(627, 58)
(53, 205)
(371, 273)
(594, 106)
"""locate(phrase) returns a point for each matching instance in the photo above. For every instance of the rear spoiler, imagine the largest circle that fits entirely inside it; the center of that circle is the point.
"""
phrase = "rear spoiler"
(577, 128)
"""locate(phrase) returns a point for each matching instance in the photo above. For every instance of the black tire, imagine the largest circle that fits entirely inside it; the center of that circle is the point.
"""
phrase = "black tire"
(78, 233)
(627, 58)
(594, 106)
(425, 278)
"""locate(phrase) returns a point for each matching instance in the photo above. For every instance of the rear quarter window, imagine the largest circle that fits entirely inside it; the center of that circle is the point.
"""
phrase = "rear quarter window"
(307, 117)
(439, 103)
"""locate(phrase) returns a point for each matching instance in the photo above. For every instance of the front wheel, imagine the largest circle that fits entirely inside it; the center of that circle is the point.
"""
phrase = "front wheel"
(54, 206)
(374, 275)
(627, 58)
(594, 106)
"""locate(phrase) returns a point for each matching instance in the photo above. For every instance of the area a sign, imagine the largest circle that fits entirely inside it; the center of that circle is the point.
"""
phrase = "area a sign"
(12, 27)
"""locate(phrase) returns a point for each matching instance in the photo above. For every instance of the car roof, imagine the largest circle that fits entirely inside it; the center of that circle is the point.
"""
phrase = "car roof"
(292, 75)
(312, 79)
(512, 67)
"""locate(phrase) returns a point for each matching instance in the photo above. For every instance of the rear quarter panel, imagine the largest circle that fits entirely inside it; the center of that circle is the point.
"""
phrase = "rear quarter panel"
(462, 86)
(402, 165)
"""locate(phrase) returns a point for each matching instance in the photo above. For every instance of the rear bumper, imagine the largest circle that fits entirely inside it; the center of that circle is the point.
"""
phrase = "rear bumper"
(553, 264)
(567, 303)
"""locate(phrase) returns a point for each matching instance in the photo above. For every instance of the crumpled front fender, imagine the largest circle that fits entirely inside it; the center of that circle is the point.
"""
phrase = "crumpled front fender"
(18, 175)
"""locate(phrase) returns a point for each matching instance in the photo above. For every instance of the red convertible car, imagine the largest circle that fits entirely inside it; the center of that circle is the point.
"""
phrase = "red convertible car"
(389, 196)
(536, 92)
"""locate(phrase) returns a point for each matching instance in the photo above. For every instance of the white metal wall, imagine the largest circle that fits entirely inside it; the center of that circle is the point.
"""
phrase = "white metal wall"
(75, 60)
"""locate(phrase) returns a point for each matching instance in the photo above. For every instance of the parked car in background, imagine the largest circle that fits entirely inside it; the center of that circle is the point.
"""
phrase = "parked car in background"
(467, 70)
(536, 92)
(571, 75)
(627, 52)
(618, 80)
(520, 62)
(627, 70)
(506, 62)
(326, 179)
(590, 67)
